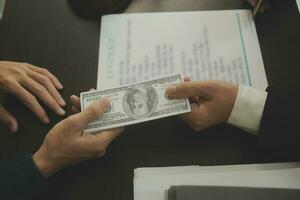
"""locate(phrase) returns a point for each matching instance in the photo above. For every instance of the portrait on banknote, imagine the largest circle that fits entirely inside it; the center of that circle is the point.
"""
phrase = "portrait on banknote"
(140, 101)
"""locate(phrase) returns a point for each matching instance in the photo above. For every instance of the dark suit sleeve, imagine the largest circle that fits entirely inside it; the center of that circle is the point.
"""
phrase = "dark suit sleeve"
(20, 178)
(279, 129)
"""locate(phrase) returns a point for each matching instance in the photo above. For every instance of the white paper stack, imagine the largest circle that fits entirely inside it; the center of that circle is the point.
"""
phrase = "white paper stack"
(153, 183)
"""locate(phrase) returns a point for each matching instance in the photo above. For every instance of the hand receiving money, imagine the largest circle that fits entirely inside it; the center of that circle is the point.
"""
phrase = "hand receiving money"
(29, 84)
(67, 144)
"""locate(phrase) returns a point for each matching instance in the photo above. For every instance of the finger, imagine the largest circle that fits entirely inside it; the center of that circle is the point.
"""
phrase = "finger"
(192, 114)
(187, 89)
(192, 117)
(39, 91)
(9, 120)
(75, 101)
(29, 100)
(45, 72)
(45, 81)
(194, 99)
(90, 114)
(75, 110)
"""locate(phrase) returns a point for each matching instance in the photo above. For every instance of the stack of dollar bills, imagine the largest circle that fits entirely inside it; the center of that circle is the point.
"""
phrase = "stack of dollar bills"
(135, 103)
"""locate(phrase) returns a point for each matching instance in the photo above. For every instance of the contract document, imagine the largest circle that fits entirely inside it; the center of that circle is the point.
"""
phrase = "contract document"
(220, 45)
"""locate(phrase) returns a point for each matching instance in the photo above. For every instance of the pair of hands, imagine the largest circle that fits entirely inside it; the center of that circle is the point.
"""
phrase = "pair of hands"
(66, 143)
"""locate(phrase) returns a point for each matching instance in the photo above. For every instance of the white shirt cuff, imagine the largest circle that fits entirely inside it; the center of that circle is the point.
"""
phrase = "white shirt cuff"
(248, 109)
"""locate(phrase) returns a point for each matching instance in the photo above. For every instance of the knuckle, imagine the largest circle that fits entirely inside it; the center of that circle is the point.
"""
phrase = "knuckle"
(19, 72)
(100, 152)
(5, 80)
(40, 90)
(29, 100)
(44, 71)
(45, 80)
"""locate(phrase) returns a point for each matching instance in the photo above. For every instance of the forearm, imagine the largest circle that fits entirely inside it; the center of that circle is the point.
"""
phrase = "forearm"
(248, 109)
(273, 116)
(279, 127)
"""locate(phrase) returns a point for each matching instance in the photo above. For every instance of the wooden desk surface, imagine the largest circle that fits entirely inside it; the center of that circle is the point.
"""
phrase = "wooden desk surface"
(49, 34)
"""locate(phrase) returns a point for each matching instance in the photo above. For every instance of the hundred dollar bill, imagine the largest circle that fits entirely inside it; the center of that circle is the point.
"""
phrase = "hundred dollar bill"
(135, 103)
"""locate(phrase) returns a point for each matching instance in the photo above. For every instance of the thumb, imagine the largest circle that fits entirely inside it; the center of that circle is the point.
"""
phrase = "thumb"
(187, 89)
(9, 120)
(91, 113)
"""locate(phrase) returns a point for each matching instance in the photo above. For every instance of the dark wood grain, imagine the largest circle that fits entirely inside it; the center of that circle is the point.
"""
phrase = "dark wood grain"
(48, 33)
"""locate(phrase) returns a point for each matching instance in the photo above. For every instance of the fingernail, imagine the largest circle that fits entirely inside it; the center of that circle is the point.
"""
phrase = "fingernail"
(72, 96)
(169, 91)
(61, 102)
(61, 111)
(46, 120)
